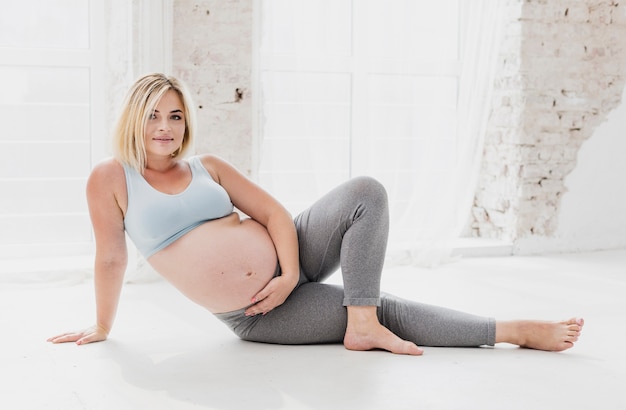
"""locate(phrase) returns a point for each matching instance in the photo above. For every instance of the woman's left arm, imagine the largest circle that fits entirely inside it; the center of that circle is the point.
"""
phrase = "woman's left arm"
(263, 208)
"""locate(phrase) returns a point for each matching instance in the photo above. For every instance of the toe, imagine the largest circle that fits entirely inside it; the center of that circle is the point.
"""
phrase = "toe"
(412, 349)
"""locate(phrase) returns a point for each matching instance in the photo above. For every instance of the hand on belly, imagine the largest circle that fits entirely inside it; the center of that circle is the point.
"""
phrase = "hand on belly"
(219, 266)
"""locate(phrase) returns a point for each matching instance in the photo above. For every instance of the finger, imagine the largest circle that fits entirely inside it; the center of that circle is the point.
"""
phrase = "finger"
(70, 337)
(60, 338)
(50, 339)
(267, 306)
(262, 295)
(94, 337)
(259, 308)
(254, 310)
(265, 292)
(84, 340)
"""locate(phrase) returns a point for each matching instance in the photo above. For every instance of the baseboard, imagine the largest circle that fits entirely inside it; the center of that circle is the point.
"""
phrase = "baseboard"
(480, 247)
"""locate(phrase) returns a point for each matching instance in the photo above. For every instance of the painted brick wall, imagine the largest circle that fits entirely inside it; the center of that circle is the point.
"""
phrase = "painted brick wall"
(212, 53)
(562, 70)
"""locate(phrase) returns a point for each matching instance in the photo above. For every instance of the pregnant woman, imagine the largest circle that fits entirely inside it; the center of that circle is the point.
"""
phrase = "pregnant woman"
(261, 274)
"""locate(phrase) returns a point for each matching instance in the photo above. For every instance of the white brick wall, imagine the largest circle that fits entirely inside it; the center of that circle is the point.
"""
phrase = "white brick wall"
(562, 70)
(212, 53)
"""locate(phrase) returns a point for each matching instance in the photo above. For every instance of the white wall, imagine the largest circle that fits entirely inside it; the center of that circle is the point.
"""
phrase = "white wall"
(592, 214)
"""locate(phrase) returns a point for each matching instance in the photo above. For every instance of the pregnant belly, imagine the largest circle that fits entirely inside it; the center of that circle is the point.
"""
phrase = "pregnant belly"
(221, 264)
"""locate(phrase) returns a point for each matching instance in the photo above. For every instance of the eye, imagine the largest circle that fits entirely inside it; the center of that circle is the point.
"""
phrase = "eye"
(176, 117)
(152, 116)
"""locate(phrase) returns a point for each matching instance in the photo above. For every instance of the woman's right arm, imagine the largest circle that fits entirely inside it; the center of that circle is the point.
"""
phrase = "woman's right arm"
(106, 197)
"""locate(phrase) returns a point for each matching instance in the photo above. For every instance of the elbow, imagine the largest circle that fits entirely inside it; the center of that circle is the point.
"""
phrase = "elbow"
(113, 264)
(280, 217)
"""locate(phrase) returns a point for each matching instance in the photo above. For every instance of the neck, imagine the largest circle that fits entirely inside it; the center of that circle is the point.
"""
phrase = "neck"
(161, 164)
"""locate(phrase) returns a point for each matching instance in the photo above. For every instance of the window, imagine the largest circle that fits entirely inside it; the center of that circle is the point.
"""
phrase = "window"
(51, 109)
(359, 87)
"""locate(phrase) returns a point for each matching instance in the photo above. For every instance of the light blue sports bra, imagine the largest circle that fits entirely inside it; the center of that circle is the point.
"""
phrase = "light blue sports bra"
(154, 220)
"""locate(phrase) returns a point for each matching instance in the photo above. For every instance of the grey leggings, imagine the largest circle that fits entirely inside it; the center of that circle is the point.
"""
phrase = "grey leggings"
(348, 227)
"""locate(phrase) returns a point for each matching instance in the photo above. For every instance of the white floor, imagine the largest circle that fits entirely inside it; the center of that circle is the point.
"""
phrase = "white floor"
(166, 353)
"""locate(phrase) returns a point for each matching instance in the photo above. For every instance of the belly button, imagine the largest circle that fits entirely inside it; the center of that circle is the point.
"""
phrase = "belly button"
(250, 274)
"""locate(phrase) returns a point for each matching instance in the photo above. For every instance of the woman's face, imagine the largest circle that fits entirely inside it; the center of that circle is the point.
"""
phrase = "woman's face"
(166, 126)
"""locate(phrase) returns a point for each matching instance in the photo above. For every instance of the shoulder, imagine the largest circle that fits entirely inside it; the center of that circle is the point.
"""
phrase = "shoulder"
(107, 200)
(215, 165)
(107, 170)
(210, 159)
(107, 175)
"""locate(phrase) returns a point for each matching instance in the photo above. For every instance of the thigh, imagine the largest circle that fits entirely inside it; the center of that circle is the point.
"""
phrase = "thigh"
(319, 239)
(312, 314)
(321, 228)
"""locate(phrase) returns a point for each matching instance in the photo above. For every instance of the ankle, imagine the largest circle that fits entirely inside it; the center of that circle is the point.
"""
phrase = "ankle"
(508, 332)
(359, 315)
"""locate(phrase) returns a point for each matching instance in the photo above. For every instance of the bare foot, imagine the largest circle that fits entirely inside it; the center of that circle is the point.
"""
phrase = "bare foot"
(364, 332)
(533, 334)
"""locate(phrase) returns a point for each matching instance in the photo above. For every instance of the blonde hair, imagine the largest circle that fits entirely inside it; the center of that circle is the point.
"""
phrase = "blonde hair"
(138, 106)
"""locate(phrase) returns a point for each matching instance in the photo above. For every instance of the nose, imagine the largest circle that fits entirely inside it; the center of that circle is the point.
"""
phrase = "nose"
(164, 125)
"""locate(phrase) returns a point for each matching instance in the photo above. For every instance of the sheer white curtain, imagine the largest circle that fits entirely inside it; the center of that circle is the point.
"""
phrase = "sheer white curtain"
(306, 85)
(441, 200)
(396, 89)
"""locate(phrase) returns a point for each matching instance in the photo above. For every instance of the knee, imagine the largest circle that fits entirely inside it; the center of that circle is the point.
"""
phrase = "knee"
(370, 190)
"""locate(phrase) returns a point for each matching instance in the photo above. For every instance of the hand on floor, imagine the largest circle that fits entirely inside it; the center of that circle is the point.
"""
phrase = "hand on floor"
(91, 334)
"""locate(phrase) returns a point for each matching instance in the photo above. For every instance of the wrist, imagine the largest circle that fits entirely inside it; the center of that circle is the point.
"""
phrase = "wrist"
(103, 329)
(290, 277)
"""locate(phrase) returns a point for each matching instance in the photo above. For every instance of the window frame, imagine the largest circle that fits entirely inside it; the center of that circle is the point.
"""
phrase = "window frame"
(92, 59)
(356, 65)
